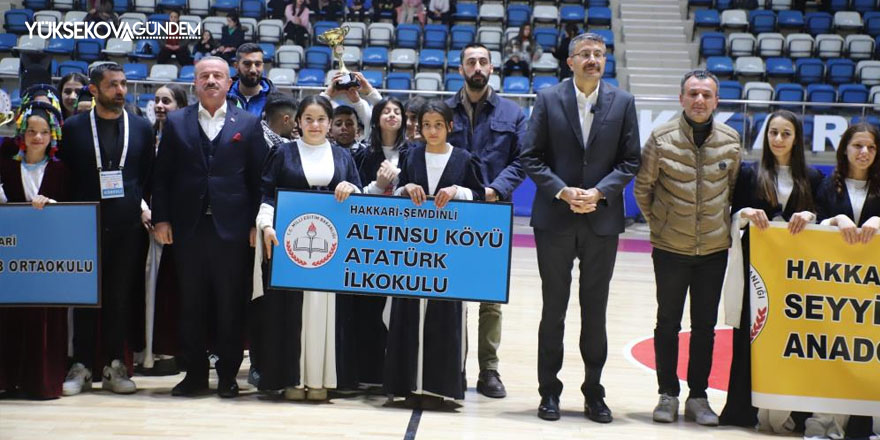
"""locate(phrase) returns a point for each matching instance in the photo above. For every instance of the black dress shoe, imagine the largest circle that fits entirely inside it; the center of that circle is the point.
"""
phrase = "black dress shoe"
(597, 411)
(489, 384)
(190, 387)
(549, 408)
(227, 389)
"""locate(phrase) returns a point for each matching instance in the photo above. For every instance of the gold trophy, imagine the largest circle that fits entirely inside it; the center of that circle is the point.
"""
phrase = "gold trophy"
(334, 38)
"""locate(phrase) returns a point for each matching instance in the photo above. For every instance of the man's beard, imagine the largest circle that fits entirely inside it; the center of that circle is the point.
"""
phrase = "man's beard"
(109, 103)
(476, 83)
(249, 81)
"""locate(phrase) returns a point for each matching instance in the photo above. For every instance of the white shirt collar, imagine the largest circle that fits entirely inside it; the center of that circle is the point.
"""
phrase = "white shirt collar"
(219, 114)
(584, 99)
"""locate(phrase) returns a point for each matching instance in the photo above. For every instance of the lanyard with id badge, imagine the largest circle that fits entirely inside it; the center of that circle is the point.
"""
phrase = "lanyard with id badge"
(111, 181)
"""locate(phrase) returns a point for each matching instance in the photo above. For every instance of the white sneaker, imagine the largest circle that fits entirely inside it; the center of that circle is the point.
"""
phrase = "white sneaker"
(666, 410)
(698, 410)
(79, 378)
(294, 393)
(116, 379)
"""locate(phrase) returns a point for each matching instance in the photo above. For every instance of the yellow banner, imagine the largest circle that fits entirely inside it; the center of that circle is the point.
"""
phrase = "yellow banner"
(815, 324)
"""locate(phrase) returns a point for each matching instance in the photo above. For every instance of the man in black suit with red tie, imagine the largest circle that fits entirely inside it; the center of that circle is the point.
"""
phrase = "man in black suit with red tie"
(581, 150)
(206, 190)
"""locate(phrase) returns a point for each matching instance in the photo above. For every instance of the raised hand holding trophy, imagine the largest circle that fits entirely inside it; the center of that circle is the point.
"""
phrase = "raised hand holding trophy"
(334, 38)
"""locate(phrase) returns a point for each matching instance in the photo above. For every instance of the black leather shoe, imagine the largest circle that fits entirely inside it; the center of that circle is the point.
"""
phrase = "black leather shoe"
(549, 408)
(190, 387)
(597, 411)
(489, 384)
(227, 389)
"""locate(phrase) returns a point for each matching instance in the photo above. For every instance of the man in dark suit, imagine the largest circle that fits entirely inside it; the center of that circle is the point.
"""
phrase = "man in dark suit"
(110, 155)
(581, 150)
(206, 190)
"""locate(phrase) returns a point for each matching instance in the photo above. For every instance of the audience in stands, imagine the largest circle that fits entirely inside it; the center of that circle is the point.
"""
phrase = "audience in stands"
(206, 46)
(298, 27)
(521, 51)
(561, 52)
(102, 11)
(385, 7)
(174, 46)
(233, 36)
(410, 11)
(439, 10)
(358, 10)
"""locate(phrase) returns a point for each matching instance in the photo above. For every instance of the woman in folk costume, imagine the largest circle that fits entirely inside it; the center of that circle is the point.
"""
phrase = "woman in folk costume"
(161, 305)
(849, 199)
(781, 187)
(305, 332)
(427, 339)
(33, 340)
(378, 165)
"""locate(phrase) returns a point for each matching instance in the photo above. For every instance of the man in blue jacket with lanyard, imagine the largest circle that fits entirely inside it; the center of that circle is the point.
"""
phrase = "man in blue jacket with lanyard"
(250, 91)
(110, 154)
(492, 128)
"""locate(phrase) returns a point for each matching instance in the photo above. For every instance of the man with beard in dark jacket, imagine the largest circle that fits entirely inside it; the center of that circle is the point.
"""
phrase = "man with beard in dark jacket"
(250, 90)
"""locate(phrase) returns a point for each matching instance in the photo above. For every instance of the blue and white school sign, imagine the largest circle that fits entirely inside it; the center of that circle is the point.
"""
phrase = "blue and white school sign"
(49, 256)
(389, 246)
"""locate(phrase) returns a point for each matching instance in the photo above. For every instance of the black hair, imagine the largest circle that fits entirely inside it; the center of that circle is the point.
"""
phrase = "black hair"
(234, 17)
(376, 131)
(247, 48)
(414, 105)
(767, 175)
(841, 171)
(343, 110)
(73, 76)
(471, 46)
(278, 104)
(700, 74)
(318, 100)
(97, 73)
(436, 106)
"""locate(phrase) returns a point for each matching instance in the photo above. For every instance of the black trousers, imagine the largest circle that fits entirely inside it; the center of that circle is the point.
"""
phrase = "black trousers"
(213, 276)
(182, 53)
(122, 264)
(675, 274)
(556, 254)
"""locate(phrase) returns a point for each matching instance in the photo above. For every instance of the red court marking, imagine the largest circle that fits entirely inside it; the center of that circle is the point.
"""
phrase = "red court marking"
(624, 245)
(643, 352)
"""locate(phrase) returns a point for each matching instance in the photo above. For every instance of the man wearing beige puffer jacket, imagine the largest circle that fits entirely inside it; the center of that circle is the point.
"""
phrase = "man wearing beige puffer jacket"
(684, 189)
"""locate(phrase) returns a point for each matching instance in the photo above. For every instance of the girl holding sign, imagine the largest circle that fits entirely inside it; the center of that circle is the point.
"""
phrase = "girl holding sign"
(427, 342)
(33, 340)
(300, 332)
(780, 187)
(379, 165)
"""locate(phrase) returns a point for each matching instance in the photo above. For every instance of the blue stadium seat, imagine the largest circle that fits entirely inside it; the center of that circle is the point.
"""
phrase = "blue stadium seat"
(872, 23)
(542, 82)
(177, 5)
(515, 84)
(454, 82)
(840, 70)
(762, 20)
(818, 23)
(573, 14)
(120, 6)
(873, 120)
(465, 12)
(462, 35)
(780, 67)
(187, 73)
(432, 59)
(158, 18)
(399, 81)
(837, 5)
(730, 90)
(864, 6)
(15, 19)
(598, 3)
(435, 36)
(809, 70)
(608, 36)
(720, 66)
(72, 66)
(60, 46)
(821, 93)
(789, 93)
(853, 93)
(268, 52)
(89, 50)
(712, 44)
(546, 37)
(8, 41)
(453, 59)
(408, 35)
(226, 6)
(145, 50)
(701, 3)
(37, 5)
(15, 98)
(518, 15)
(310, 77)
(375, 56)
(253, 9)
(318, 57)
(321, 27)
(144, 99)
(610, 67)
(376, 79)
(599, 16)
(792, 20)
(707, 18)
(757, 121)
(135, 71)
(737, 122)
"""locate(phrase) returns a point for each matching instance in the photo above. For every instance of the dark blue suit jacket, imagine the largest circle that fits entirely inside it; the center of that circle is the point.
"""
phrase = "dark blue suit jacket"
(284, 170)
(182, 177)
(77, 151)
(831, 203)
(463, 169)
(554, 156)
